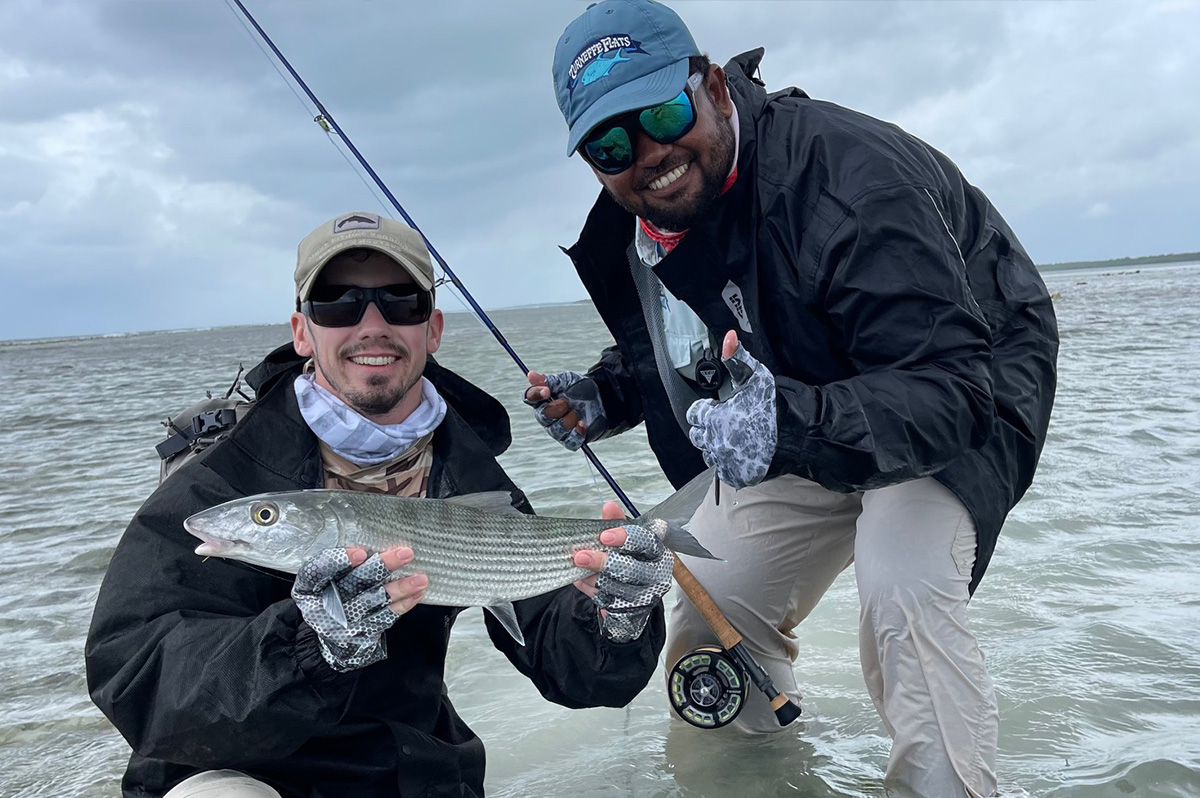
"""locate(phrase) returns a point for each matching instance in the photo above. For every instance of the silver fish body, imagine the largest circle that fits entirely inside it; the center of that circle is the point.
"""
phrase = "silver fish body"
(476, 550)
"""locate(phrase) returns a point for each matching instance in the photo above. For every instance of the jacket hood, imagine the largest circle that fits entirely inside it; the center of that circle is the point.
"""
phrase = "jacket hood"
(481, 411)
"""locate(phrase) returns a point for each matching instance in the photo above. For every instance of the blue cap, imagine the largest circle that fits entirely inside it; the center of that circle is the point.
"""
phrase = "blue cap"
(618, 56)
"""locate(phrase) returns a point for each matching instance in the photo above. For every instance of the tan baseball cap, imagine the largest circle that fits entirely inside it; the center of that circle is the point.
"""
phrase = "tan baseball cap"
(361, 229)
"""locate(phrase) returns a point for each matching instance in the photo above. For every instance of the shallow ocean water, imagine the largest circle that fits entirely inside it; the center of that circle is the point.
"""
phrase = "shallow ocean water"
(1089, 614)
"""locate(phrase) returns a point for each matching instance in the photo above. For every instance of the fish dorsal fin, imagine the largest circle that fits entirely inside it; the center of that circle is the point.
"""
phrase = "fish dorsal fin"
(506, 614)
(677, 510)
(493, 501)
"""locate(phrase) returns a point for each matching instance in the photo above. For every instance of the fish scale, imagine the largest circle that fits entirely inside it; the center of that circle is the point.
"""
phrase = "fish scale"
(471, 557)
(477, 550)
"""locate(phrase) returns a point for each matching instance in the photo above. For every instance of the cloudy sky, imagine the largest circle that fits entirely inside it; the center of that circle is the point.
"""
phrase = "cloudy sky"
(156, 172)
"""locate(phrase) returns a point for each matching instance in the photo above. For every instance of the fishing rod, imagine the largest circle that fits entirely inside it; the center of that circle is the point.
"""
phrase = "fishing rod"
(704, 686)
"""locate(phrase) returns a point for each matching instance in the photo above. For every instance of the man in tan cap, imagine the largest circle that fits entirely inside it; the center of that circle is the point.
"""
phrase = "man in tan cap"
(229, 680)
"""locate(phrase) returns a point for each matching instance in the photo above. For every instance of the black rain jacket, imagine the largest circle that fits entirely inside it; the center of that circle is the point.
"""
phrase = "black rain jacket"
(909, 333)
(207, 664)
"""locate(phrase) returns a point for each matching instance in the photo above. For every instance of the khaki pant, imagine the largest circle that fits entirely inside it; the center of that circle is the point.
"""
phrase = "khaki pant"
(913, 546)
(221, 784)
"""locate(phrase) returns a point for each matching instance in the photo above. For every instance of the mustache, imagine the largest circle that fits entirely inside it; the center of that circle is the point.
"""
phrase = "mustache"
(391, 348)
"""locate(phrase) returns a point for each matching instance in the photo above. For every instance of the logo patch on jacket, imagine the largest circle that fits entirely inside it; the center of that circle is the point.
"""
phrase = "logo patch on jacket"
(594, 62)
(733, 298)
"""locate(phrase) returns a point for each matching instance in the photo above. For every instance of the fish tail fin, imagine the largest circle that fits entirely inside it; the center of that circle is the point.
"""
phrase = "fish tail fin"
(677, 510)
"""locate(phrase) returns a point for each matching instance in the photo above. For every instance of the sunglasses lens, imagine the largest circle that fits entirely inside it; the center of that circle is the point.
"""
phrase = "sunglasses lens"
(336, 305)
(668, 121)
(610, 150)
(344, 306)
(404, 304)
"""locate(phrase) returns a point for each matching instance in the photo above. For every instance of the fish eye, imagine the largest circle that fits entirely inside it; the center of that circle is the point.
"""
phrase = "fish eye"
(264, 513)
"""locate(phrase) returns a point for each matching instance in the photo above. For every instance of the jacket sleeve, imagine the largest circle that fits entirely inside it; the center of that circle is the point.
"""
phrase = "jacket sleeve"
(568, 659)
(182, 658)
(618, 392)
(893, 286)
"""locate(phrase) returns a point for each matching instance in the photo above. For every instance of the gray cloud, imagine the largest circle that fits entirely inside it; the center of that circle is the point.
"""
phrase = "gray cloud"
(157, 172)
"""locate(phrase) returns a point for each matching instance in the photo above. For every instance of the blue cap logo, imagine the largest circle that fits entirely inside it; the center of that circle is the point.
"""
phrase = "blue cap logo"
(594, 62)
(616, 56)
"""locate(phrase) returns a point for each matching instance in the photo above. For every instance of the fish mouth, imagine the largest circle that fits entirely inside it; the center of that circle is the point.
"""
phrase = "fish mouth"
(210, 546)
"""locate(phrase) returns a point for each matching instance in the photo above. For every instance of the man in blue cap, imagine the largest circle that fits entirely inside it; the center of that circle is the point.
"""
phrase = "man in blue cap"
(886, 370)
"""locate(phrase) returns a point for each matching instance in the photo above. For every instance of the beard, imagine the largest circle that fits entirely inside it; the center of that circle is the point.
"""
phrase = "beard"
(379, 397)
(687, 213)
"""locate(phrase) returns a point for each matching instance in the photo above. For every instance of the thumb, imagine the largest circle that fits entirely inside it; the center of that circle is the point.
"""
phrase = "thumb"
(730, 345)
(612, 512)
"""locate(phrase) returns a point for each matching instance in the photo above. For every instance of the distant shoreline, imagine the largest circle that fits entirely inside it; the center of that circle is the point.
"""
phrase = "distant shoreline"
(1115, 263)
(1120, 263)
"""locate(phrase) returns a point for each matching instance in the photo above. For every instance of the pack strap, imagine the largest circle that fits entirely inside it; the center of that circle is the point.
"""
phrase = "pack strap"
(205, 424)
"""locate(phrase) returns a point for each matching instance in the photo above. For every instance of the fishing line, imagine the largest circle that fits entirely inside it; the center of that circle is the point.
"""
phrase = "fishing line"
(267, 56)
(738, 656)
(479, 311)
(321, 119)
(318, 118)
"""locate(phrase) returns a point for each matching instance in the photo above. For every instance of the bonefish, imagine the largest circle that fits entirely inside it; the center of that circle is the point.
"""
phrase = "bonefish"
(476, 549)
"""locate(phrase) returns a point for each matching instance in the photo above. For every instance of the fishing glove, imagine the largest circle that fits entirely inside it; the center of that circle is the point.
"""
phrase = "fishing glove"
(738, 435)
(347, 606)
(583, 396)
(635, 577)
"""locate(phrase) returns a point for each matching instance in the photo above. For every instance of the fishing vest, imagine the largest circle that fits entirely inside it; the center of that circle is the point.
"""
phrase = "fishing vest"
(200, 426)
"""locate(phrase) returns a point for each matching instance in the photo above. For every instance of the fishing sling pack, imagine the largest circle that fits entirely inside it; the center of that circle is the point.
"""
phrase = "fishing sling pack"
(200, 426)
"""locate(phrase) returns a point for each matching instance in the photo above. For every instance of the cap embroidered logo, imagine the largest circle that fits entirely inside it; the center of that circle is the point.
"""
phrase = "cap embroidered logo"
(355, 221)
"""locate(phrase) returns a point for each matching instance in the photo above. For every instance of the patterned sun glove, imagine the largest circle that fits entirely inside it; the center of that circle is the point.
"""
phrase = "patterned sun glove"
(634, 579)
(583, 396)
(738, 435)
(346, 606)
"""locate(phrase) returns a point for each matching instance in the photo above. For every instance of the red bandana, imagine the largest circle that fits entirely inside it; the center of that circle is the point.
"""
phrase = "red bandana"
(669, 239)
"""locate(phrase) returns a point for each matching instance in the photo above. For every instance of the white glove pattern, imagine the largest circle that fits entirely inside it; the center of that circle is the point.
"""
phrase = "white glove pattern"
(635, 577)
(738, 435)
(358, 641)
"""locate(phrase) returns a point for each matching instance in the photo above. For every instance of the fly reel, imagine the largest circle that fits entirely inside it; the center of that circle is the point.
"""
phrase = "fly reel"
(706, 687)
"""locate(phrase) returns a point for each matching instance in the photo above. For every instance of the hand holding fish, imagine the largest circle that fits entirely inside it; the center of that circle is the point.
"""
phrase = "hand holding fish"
(568, 405)
(630, 580)
(348, 600)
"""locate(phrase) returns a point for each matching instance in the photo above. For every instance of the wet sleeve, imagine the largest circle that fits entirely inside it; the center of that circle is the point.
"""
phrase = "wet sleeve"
(184, 661)
(568, 659)
(893, 285)
(618, 392)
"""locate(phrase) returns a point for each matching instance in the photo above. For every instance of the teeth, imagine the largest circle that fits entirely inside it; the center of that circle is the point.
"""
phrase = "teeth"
(373, 361)
(669, 178)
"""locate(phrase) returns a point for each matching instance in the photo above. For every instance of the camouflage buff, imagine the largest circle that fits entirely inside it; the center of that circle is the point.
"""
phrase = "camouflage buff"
(635, 577)
(738, 435)
(583, 396)
(360, 641)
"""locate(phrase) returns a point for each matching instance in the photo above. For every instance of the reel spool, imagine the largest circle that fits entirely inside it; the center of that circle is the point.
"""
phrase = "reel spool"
(706, 687)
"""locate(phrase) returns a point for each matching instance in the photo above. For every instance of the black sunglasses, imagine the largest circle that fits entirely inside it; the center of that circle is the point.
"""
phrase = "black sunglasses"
(610, 147)
(344, 305)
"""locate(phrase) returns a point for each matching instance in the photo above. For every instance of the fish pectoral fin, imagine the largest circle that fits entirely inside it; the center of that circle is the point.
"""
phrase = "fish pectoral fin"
(333, 604)
(493, 501)
(506, 614)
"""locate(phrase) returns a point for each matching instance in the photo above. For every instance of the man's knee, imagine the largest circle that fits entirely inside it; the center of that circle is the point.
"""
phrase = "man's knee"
(221, 784)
